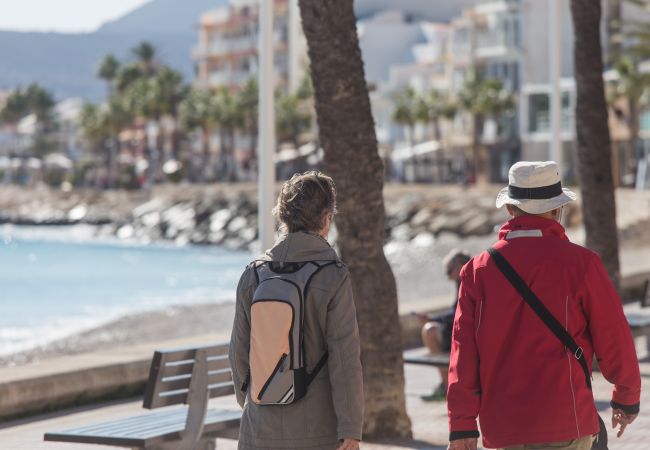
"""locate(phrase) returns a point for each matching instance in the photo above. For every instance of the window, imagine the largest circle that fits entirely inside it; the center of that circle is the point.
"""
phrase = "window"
(538, 113)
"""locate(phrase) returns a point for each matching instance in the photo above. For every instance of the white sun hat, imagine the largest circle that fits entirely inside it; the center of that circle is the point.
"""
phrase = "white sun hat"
(535, 187)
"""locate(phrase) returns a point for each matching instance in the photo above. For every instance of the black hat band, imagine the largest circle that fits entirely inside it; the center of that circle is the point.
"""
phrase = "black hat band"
(538, 193)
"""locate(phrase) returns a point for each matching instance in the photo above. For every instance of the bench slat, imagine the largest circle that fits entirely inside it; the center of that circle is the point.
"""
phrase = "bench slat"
(178, 383)
(175, 369)
(189, 352)
(156, 427)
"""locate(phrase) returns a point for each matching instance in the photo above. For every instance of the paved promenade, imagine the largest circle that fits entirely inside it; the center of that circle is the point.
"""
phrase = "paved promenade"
(429, 419)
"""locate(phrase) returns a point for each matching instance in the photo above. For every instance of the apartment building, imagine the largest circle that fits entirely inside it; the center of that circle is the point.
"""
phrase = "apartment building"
(227, 55)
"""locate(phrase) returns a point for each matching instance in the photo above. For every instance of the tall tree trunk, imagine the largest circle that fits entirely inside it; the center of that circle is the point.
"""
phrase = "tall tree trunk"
(347, 134)
(593, 139)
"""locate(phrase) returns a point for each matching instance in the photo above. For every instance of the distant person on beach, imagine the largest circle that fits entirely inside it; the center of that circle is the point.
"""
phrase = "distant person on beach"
(436, 329)
(532, 312)
(305, 391)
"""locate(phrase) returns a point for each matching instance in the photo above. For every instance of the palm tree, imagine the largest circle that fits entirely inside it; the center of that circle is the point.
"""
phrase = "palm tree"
(15, 108)
(406, 112)
(108, 70)
(145, 53)
(593, 138)
(168, 93)
(198, 111)
(127, 75)
(482, 99)
(248, 101)
(41, 103)
(292, 118)
(95, 133)
(347, 135)
(228, 117)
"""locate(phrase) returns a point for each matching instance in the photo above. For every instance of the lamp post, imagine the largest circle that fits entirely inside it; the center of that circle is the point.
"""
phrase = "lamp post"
(555, 73)
(266, 142)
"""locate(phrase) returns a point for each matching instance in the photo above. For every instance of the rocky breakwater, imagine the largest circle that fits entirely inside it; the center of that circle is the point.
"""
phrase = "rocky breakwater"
(216, 221)
(226, 214)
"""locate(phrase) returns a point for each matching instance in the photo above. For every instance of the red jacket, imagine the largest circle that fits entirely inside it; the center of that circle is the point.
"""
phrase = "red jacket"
(508, 369)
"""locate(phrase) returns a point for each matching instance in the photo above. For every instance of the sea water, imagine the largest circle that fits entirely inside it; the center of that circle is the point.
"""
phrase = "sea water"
(55, 282)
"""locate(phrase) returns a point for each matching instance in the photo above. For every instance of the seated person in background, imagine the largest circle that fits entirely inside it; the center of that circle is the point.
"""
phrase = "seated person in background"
(436, 330)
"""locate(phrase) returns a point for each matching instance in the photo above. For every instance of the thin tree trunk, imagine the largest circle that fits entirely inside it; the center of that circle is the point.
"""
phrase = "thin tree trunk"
(593, 138)
(477, 149)
(347, 135)
(207, 160)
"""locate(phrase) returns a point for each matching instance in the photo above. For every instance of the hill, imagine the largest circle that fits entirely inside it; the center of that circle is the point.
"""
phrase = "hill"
(67, 63)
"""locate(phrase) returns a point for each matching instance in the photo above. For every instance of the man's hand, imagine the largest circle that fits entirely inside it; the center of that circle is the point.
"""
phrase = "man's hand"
(463, 444)
(349, 444)
(622, 419)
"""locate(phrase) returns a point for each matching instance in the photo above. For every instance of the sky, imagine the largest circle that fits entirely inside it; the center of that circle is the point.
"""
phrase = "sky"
(66, 16)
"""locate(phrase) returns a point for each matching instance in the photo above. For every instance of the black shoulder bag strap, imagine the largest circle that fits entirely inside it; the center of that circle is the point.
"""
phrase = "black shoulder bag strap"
(534, 302)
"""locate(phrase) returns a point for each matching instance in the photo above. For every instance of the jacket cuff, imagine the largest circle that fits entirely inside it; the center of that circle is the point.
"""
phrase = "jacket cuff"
(627, 409)
(349, 433)
(455, 435)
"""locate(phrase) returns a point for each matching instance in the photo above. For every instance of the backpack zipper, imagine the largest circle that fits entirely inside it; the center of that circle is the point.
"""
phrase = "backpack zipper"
(268, 381)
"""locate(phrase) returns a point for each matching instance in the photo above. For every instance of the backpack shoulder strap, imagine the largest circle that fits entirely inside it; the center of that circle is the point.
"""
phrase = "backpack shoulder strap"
(542, 312)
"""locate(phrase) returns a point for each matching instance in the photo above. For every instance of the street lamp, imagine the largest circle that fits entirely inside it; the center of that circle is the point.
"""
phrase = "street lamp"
(555, 74)
(266, 143)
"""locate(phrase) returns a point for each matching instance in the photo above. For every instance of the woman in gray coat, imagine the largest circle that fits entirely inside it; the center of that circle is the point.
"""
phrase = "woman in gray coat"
(330, 415)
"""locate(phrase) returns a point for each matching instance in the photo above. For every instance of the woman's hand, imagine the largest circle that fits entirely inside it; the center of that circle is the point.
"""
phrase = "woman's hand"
(463, 444)
(349, 444)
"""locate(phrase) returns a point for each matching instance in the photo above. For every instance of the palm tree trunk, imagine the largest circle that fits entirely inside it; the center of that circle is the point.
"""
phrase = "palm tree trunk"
(347, 135)
(477, 150)
(205, 131)
(593, 138)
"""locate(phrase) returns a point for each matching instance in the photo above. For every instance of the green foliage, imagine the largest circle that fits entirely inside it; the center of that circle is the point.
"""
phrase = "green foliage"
(33, 100)
(108, 68)
(197, 110)
(145, 54)
(407, 107)
(632, 84)
(484, 97)
(292, 117)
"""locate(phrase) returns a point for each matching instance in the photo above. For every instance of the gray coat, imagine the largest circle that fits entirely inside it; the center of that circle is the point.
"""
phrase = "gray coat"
(332, 409)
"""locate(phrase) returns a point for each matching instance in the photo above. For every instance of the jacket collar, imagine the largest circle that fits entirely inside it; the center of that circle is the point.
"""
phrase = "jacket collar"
(301, 247)
(531, 226)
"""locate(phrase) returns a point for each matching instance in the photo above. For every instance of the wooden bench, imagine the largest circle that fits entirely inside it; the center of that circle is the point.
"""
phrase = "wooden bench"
(186, 376)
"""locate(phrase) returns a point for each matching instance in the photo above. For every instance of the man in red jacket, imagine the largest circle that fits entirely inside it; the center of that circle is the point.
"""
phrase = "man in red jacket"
(507, 367)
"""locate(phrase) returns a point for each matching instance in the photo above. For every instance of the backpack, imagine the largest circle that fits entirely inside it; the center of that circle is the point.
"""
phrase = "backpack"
(277, 358)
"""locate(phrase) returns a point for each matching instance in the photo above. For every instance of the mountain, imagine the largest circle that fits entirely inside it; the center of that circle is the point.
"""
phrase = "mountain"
(154, 17)
(67, 63)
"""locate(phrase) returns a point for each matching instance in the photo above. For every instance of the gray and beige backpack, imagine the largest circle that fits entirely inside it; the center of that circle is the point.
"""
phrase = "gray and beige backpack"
(278, 369)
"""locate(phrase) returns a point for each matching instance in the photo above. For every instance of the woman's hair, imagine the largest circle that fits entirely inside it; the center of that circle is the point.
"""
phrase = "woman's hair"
(304, 200)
